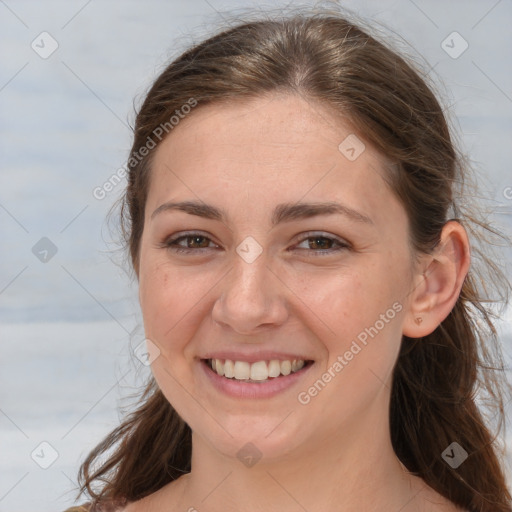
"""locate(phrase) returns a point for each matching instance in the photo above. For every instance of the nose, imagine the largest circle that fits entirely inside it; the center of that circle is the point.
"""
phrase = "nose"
(251, 298)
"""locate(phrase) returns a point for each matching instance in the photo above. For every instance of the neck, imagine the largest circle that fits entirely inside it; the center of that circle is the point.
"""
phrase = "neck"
(352, 469)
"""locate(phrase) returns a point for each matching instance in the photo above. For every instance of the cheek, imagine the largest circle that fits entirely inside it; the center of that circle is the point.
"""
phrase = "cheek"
(361, 310)
(173, 302)
(162, 299)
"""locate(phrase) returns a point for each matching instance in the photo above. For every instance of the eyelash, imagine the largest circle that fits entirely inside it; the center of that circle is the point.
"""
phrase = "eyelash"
(342, 245)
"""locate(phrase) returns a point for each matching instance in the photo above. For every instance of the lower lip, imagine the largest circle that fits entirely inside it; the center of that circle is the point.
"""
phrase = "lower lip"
(239, 389)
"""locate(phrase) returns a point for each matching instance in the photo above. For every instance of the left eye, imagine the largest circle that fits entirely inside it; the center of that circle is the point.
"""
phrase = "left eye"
(321, 245)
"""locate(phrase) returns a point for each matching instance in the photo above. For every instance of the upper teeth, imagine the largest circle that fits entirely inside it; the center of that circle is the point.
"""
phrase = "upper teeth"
(262, 370)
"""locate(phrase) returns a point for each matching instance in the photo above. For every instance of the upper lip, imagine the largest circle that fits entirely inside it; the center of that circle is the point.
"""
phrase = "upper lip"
(255, 356)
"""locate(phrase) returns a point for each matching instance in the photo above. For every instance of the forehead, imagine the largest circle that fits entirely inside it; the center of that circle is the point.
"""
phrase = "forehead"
(275, 147)
(281, 125)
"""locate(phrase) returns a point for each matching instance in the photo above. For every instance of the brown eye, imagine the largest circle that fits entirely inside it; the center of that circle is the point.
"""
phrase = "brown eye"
(196, 241)
(193, 242)
(322, 245)
(320, 242)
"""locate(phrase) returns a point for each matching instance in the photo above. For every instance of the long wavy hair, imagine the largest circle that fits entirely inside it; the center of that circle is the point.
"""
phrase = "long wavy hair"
(447, 386)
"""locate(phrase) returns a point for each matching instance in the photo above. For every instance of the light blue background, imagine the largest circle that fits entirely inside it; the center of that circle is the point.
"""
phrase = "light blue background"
(68, 326)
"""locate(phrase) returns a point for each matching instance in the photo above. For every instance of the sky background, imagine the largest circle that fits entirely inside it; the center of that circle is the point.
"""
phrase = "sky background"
(69, 317)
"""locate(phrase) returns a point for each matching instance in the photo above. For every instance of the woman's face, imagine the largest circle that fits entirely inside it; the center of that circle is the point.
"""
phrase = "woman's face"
(262, 277)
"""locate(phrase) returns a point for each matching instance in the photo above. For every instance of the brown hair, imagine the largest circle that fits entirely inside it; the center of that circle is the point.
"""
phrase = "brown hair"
(437, 379)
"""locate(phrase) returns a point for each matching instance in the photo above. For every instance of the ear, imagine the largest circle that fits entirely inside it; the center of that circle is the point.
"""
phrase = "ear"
(438, 282)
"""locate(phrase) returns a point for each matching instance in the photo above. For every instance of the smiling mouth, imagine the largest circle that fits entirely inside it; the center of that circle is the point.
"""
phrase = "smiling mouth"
(258, 372)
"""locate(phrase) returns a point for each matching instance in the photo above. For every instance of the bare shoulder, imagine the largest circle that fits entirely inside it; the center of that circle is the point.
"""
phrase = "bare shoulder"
(435, 502)
(143, 505)
(167, 498)
(427, 499)
(89, 506)
(149, 503)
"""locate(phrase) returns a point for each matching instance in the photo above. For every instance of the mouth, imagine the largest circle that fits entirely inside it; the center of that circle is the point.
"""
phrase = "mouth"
(258, 372)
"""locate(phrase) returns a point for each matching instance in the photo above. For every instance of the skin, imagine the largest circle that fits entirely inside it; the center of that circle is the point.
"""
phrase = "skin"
(333, 453)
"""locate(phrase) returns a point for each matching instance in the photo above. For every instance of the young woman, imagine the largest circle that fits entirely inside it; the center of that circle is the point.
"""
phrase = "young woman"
(316, 335)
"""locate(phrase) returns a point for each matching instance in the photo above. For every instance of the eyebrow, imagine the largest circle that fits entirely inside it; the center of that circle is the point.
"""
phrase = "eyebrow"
(284, 212)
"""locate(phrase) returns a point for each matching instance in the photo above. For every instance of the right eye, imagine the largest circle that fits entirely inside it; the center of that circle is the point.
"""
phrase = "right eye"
(194, 242)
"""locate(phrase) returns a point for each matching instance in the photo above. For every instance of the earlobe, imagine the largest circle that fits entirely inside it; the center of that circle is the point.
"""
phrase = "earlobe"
(438, 282)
